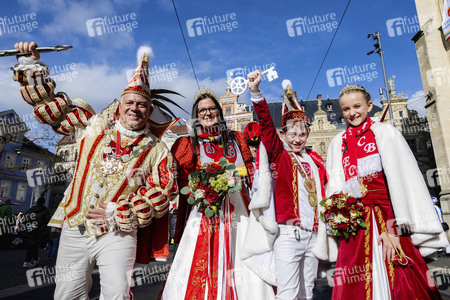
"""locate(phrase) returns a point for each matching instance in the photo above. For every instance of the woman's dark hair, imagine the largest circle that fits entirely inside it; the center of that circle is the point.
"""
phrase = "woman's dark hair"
(225, 134)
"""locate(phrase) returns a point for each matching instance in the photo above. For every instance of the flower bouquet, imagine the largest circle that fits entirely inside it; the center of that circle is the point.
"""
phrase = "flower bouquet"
(344, 213)
(209, 186)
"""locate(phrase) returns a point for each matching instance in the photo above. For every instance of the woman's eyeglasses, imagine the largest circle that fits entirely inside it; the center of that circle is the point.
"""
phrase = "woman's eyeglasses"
(202, 111)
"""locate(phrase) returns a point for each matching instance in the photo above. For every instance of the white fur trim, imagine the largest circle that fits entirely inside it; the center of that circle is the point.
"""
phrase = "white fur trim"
(369, 165)
(352, 186)
(144, 49)
(132, 133)
(286, 83)
(256, 97)
(32, 65)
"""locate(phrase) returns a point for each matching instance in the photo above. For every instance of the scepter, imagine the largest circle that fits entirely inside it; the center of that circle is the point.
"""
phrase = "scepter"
(15, 52)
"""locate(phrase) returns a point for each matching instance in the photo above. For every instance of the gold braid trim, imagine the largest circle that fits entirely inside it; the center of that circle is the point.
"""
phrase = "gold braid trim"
(383, 229)
(367, 252)
(295, 191)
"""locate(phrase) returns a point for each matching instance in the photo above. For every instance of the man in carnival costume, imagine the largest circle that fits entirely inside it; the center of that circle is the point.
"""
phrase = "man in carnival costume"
(298, 185)
(115, 210)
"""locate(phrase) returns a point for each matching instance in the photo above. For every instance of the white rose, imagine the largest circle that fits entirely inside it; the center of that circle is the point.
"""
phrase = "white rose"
(199, 194)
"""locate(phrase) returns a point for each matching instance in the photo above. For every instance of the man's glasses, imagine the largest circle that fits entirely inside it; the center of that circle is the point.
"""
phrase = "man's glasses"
(202, 111)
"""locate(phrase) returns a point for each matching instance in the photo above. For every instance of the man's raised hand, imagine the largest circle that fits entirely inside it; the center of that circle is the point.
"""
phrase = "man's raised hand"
(26, 47)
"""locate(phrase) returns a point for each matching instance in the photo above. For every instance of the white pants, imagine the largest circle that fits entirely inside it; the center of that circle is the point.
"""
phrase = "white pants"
(296, 264)
(114, 253)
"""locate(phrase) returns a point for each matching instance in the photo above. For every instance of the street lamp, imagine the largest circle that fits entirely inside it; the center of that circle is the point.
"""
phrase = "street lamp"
(377, 49)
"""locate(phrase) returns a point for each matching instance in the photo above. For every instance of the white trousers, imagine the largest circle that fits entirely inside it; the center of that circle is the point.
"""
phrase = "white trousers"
(296, 264)
(114, 253)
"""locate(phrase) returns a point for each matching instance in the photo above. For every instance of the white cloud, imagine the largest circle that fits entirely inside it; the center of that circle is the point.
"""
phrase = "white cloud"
(417, 102)
(69, 20)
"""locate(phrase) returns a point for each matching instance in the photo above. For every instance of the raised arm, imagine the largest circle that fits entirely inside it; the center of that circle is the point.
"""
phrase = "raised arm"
(269, 135)
(37, 89)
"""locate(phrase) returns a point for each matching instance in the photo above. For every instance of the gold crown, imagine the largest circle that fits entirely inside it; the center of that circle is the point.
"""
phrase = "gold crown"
(203, 91)
(353, 87)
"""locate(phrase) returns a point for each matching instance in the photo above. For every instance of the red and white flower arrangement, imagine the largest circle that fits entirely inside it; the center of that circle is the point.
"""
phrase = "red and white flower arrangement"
(209, 186)
(344, 214)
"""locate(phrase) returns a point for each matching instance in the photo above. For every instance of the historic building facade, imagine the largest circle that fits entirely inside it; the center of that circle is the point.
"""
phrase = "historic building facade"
(433, 54)
(26, 169)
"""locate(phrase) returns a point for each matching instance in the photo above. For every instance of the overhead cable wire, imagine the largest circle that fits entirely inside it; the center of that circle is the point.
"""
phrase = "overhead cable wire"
(185, 43)
(328, 50)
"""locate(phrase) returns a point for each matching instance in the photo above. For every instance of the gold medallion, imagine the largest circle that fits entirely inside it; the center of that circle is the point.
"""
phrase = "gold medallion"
(310, 185)
(312, 199)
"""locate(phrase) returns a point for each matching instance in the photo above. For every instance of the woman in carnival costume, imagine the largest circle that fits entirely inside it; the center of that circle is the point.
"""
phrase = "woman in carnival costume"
(208, 264)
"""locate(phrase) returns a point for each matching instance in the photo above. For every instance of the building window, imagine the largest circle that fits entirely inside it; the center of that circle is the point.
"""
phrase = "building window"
(228, 111)
(26, 163)
(39, 164)
(401, 114)
(10, 161)
(21, 194)
(5, 188)
(37, 190)
(242, 127)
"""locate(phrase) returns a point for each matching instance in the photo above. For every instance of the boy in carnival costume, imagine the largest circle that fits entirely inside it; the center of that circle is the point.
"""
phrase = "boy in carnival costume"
(123, 180)
(373, 162)
(299, 184)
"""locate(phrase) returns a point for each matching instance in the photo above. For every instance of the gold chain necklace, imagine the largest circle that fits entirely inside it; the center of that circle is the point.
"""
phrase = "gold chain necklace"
(309, 183)
(114, 163)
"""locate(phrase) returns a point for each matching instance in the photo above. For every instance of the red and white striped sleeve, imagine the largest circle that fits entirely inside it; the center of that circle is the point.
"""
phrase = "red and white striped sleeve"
(160, 190)
(56, 110)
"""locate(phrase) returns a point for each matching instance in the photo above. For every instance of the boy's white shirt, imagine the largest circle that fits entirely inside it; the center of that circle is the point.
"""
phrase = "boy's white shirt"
(409, 194)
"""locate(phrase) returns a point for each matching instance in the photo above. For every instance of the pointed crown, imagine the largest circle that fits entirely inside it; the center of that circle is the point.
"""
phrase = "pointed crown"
(292, 111)
(139, 83)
